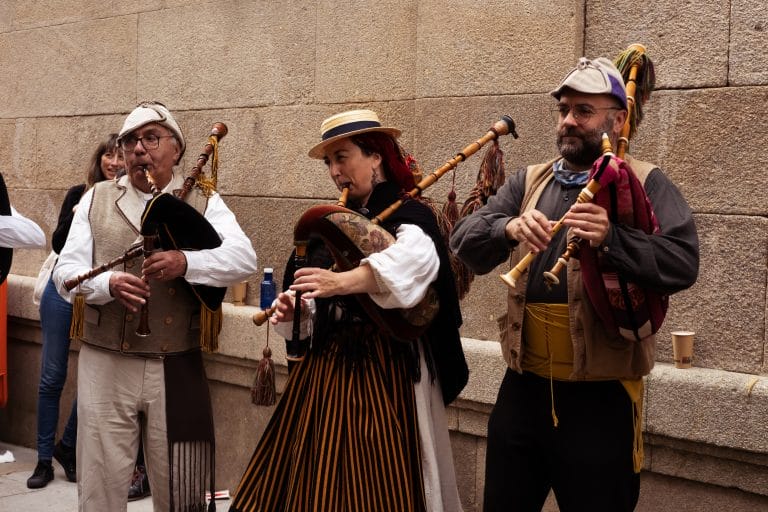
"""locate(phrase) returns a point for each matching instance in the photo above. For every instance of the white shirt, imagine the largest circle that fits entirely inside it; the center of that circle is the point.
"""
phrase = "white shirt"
(403, 271)
(18, 232)
(232, 262)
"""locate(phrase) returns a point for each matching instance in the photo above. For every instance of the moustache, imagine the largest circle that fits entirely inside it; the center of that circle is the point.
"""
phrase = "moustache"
(569, 132)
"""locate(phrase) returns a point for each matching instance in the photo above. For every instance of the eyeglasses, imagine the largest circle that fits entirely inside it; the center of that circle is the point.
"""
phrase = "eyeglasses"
(149, 141)
(580, 113)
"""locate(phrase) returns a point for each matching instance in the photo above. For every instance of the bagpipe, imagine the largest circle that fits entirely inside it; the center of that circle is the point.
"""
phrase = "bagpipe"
(170, 223)
(351, 237)
(623, 306)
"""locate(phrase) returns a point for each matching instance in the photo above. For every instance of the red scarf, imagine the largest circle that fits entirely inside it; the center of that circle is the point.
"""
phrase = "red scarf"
(623, 306)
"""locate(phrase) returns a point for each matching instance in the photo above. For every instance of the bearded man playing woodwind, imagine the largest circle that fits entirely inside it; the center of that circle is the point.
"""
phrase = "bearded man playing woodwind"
(567, 415)
(153, 386)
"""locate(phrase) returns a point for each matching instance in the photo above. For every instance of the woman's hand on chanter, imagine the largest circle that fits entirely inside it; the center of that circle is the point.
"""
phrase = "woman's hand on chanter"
(284, 311)
(316, 282)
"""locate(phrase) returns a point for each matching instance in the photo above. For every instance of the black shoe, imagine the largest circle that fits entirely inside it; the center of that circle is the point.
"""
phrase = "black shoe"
(42, 475)
(65, 456)
(139, 484)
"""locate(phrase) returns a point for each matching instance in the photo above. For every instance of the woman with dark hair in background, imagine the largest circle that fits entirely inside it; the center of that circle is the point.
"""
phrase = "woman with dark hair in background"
(55, 319)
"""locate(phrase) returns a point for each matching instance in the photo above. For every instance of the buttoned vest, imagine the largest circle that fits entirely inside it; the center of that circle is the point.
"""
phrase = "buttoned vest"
(596, 353)
(174, 311)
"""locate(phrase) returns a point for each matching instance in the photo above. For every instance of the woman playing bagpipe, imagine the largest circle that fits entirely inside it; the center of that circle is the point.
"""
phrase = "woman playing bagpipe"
(362, 424)
(568, 413)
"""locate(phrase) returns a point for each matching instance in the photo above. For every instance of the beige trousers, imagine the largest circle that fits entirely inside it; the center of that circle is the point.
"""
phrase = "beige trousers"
(119, 398)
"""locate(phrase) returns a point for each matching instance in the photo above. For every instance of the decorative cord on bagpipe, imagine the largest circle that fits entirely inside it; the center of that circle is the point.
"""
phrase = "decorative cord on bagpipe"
(169, 222)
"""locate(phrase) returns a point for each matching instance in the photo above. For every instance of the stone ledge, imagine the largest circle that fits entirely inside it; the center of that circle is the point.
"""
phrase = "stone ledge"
(708, 407)
(719, 466)
(713, 407)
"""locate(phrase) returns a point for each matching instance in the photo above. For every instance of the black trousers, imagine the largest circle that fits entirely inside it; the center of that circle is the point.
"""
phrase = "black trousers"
(586, 459)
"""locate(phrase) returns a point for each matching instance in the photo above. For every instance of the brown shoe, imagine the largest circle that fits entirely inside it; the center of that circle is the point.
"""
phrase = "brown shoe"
(139, 484)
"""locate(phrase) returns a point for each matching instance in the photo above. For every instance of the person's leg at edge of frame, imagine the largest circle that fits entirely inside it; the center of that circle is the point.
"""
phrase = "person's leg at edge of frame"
(155, 434)
(55, 316)
(516, 473)
(595, 471)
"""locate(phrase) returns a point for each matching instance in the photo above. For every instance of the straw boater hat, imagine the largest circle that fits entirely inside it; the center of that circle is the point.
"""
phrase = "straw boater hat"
(347, 124)
(598, 76)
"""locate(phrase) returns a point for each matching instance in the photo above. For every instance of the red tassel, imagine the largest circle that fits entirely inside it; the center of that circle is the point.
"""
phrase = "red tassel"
(490, 177)
(263, 391)
(451, 210)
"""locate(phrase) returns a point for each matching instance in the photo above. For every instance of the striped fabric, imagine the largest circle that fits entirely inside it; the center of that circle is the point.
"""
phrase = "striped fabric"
(344, 436)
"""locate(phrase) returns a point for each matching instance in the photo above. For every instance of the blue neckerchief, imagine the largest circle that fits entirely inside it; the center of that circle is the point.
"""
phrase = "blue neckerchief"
(569, 179)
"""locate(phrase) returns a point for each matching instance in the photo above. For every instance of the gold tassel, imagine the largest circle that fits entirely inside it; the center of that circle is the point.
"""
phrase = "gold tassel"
(210, 327)
(78, 317)
(208, 185)
(634, 389)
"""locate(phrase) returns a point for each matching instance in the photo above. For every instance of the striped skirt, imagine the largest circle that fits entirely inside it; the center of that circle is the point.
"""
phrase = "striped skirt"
(344, 436)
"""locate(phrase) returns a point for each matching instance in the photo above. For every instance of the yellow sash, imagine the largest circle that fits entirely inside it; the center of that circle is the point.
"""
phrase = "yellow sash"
(549, 353)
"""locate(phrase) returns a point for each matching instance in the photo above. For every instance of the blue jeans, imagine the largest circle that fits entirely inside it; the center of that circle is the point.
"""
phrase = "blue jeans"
(55, 318)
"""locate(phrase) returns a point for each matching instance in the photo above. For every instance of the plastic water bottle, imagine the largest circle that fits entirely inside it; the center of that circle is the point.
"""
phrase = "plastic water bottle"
(268, 290)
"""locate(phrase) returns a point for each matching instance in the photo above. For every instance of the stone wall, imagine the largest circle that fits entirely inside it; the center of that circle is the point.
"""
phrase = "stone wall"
(443, 72)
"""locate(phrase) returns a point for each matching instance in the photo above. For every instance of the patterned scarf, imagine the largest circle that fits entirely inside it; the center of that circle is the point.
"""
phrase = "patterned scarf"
(568, 178)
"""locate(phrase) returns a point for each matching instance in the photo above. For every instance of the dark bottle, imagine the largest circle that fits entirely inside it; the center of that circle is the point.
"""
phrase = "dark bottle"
(268, 290)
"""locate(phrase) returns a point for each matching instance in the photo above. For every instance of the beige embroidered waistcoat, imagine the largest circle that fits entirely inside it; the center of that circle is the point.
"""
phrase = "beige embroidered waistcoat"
(174, 311)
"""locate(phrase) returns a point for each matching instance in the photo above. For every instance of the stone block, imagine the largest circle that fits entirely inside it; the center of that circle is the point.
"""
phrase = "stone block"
(687, 41)
(6, 16)
(473, 422)
(56, 73)
(729, 328)
(482, 449)
(661, 492)
(747, 58)
(445, 126)
(487, 369)
(265, 151)
(711, 407)
(372, 58)
(7, 146)
(716, 466)
(55, 153)
(464, 449)
(40, 13)
(239, 425)
(705, 138)
(252, 54)
(497, 47)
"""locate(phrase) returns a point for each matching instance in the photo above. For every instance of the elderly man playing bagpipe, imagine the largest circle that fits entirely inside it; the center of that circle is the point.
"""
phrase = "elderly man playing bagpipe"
(567, 416)
(148, 381)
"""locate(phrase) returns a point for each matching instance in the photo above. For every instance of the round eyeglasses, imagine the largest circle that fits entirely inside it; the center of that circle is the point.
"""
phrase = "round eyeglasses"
(581, 113)
(149, 141)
